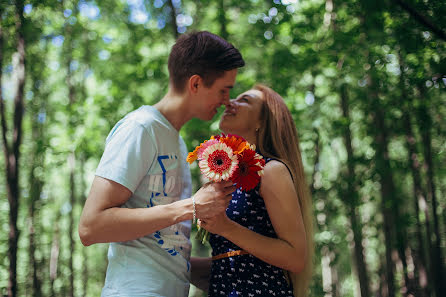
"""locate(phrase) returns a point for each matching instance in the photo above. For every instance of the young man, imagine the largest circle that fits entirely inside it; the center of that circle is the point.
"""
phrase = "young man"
(139, 200)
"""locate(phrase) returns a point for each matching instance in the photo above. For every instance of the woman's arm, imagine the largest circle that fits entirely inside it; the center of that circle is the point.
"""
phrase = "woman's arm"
(200, 272)
(288, 251)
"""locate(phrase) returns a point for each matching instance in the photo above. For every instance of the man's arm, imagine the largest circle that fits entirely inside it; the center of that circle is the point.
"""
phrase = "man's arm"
(103, 220)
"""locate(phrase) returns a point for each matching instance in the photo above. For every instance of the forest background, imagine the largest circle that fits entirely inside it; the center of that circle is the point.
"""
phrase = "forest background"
(365, 82)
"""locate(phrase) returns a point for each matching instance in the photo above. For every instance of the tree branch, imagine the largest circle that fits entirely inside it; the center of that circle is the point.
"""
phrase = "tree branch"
(422, 19)
(173, 15)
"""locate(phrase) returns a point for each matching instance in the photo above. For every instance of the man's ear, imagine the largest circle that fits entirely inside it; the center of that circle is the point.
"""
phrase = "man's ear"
(195, 81)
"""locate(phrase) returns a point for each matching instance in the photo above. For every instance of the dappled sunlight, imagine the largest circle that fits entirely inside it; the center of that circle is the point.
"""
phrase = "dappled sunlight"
(365, 85)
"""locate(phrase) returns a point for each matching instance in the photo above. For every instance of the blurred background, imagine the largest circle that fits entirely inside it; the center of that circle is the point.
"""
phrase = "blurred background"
(365, 81)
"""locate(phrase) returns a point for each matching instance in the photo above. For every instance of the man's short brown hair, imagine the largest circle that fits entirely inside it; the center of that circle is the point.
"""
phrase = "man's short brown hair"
(202, 53)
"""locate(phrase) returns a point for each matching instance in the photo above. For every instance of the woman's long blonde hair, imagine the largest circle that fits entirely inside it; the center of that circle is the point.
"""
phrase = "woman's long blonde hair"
(277, 138)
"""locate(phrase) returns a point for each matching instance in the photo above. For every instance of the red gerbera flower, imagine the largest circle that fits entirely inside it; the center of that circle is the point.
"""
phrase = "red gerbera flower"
(250, 168)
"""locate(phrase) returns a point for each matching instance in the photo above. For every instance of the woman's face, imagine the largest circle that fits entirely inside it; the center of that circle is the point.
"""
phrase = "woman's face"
(242, 115)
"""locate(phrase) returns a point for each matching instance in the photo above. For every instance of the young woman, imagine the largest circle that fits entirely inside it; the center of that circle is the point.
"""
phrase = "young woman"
(263, 245)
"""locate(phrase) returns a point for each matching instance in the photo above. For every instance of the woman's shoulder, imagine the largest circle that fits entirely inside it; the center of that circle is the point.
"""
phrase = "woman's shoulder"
(276, 181)
(275, 169)
(275, 166)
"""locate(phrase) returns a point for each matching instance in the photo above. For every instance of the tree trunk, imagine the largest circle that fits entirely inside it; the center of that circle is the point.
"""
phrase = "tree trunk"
(351, 200)
(222, 19)
(425, 123)
(54, 256)
(316, 162)
(419, 195)
(71, 161)
(335, 288)
(68, 32)
(327, 279)
(37, 113)
(419, 199)
(36, 185)
(389, 203)
(383, 288)
(85, 261)
(12, 150)
(33, 264)
(387, 192)
(328, 284)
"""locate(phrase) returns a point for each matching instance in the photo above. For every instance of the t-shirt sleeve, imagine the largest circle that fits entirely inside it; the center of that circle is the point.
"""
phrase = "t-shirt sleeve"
(128, 155)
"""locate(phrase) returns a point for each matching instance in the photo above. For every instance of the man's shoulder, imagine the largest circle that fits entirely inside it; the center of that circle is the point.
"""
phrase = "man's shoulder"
(143, 115)
(147, 117)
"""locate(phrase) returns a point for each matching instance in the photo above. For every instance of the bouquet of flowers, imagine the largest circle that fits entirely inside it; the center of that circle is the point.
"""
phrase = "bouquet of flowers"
(228, 157)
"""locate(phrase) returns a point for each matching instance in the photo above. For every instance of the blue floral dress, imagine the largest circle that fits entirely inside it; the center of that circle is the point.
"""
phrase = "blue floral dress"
(246, 275)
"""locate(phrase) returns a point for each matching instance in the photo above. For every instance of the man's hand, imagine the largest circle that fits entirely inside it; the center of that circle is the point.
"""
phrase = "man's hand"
(213, 199)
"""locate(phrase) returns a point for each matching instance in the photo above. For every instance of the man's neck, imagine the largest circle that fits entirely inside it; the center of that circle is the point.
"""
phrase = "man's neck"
(175, 109)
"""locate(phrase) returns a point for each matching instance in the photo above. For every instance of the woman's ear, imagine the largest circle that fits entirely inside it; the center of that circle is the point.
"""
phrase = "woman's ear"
(194, 83)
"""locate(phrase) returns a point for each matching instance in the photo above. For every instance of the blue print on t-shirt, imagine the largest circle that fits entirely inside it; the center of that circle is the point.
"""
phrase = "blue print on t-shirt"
(160, 161)
(158, 236)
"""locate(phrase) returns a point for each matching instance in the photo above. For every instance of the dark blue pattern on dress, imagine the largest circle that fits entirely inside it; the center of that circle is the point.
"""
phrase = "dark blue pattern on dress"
(246, 275)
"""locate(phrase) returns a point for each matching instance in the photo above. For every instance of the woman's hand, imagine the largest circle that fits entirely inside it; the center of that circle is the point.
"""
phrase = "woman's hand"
(218, 224)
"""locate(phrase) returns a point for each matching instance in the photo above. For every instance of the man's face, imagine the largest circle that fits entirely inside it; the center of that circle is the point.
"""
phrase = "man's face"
(216, 95)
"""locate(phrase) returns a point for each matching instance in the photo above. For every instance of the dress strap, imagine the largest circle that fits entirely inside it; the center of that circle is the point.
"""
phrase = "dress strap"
(230, 254)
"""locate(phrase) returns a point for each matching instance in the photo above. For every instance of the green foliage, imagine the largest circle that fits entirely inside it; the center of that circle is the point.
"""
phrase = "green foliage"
(88, 63)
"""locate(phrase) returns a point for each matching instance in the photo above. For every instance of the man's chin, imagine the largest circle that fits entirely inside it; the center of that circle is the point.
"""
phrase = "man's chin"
(205, 118)
(210, 116)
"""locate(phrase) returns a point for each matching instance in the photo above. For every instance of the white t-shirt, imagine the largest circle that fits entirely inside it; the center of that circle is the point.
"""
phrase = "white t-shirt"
(146, 154)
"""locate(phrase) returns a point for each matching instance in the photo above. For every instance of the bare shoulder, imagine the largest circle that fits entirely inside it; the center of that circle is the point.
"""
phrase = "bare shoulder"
(276, 179)
(275, 170)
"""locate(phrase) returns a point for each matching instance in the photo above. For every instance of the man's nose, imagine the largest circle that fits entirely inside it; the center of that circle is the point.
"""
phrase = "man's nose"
(230, 103)
(227, 101)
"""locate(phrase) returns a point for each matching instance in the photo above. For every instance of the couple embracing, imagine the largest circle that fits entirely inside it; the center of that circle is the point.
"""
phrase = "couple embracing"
(142, 204)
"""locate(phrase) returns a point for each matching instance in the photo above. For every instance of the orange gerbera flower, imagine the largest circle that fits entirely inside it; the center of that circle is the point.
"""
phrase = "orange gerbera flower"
(237, 143)
(192, 156)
